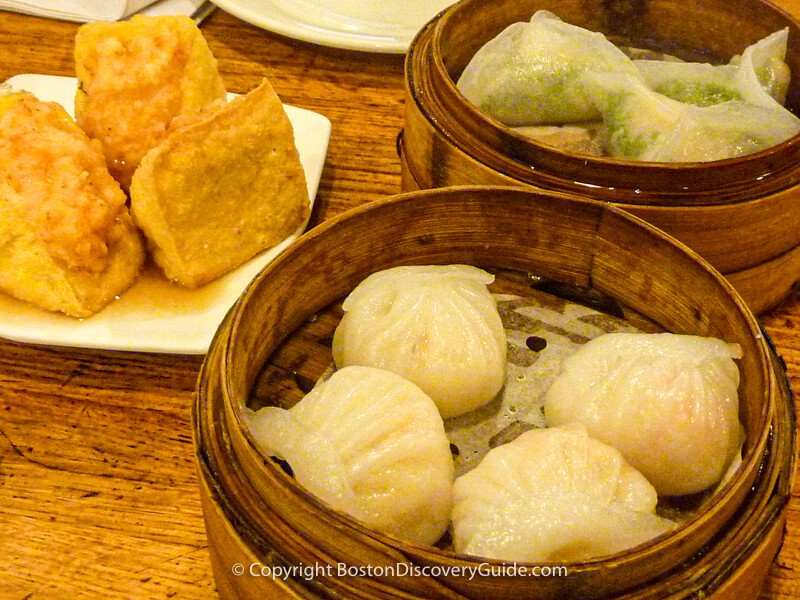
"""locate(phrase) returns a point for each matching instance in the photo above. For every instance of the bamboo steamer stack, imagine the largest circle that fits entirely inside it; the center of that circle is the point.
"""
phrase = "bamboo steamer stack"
(275, 343)
(742, 215)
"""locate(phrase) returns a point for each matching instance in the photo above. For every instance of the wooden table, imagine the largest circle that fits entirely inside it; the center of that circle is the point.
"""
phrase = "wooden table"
(98, 489)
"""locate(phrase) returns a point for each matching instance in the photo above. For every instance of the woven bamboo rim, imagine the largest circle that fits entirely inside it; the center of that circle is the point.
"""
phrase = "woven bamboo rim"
(261, 513)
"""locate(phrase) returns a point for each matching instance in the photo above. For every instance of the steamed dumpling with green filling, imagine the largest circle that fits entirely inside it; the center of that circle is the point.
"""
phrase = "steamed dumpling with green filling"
(371, 444)
(702, 84)
(727, 130)
(529, 74)
(759, 76)
(763, 74)
(642, 124)
(435, 325)
(668, 402)
(553, 494)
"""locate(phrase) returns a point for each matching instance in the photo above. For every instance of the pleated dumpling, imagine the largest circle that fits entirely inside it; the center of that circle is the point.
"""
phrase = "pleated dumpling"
(437, 326)
(667, 402)
(371, 444)
(553, 494)
(529, 74)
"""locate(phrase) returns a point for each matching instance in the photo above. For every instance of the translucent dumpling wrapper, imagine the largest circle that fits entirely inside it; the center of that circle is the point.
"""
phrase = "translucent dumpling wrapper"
(529, 73)
(727, 130)
(370, 444)
(553, 494)
(667, 402)
(763, 73)
(436, 325)
(314, 461)
(702, 84)
(642, 124)
(638, 120)
(759, 76)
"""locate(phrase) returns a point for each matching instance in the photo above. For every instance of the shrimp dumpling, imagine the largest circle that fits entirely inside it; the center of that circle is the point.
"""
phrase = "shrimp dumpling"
(553, 494)
(667, 402)
(529, 74)
(437, 326)
(370, 444)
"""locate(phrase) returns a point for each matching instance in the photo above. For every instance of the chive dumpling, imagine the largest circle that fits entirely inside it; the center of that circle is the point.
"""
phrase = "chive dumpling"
(529, 74)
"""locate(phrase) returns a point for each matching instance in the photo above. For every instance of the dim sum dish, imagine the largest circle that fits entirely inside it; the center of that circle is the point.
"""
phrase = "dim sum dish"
(160, 163)
(632, 389)
(153, 314)
(437, 326)
(135, 76)
(68, 241)
(371, 444)
(306, 457)
(688, 119)
(548, 72)
(554, 495)
(235, 160)
(530, 73)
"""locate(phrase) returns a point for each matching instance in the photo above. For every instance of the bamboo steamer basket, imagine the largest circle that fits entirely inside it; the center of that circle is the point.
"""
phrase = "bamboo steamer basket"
(275, 343)
(742, 215)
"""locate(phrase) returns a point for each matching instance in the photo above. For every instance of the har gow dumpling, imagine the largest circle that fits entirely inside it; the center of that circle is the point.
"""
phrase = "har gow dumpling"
(667, 402)
(553, 494)
(371, 444)
(437, 326)
(529, 74)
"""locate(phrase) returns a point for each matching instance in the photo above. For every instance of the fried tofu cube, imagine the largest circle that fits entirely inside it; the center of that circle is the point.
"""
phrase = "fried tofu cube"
(221, 188)
(134, 77)
(67, 240)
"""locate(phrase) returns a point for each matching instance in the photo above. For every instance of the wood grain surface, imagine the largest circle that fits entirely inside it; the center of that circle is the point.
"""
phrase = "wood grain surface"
(98, 489)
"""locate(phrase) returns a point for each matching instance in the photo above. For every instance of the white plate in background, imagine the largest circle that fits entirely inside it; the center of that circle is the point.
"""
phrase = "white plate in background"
(367, 25)
(155, 315)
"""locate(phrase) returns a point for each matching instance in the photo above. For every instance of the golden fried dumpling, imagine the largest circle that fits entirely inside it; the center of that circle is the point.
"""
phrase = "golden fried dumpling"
(225, 185)
(135, 76)
(67, 241)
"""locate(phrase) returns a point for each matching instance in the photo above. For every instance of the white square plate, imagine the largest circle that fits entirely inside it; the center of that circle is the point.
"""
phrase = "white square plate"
(155, 315)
